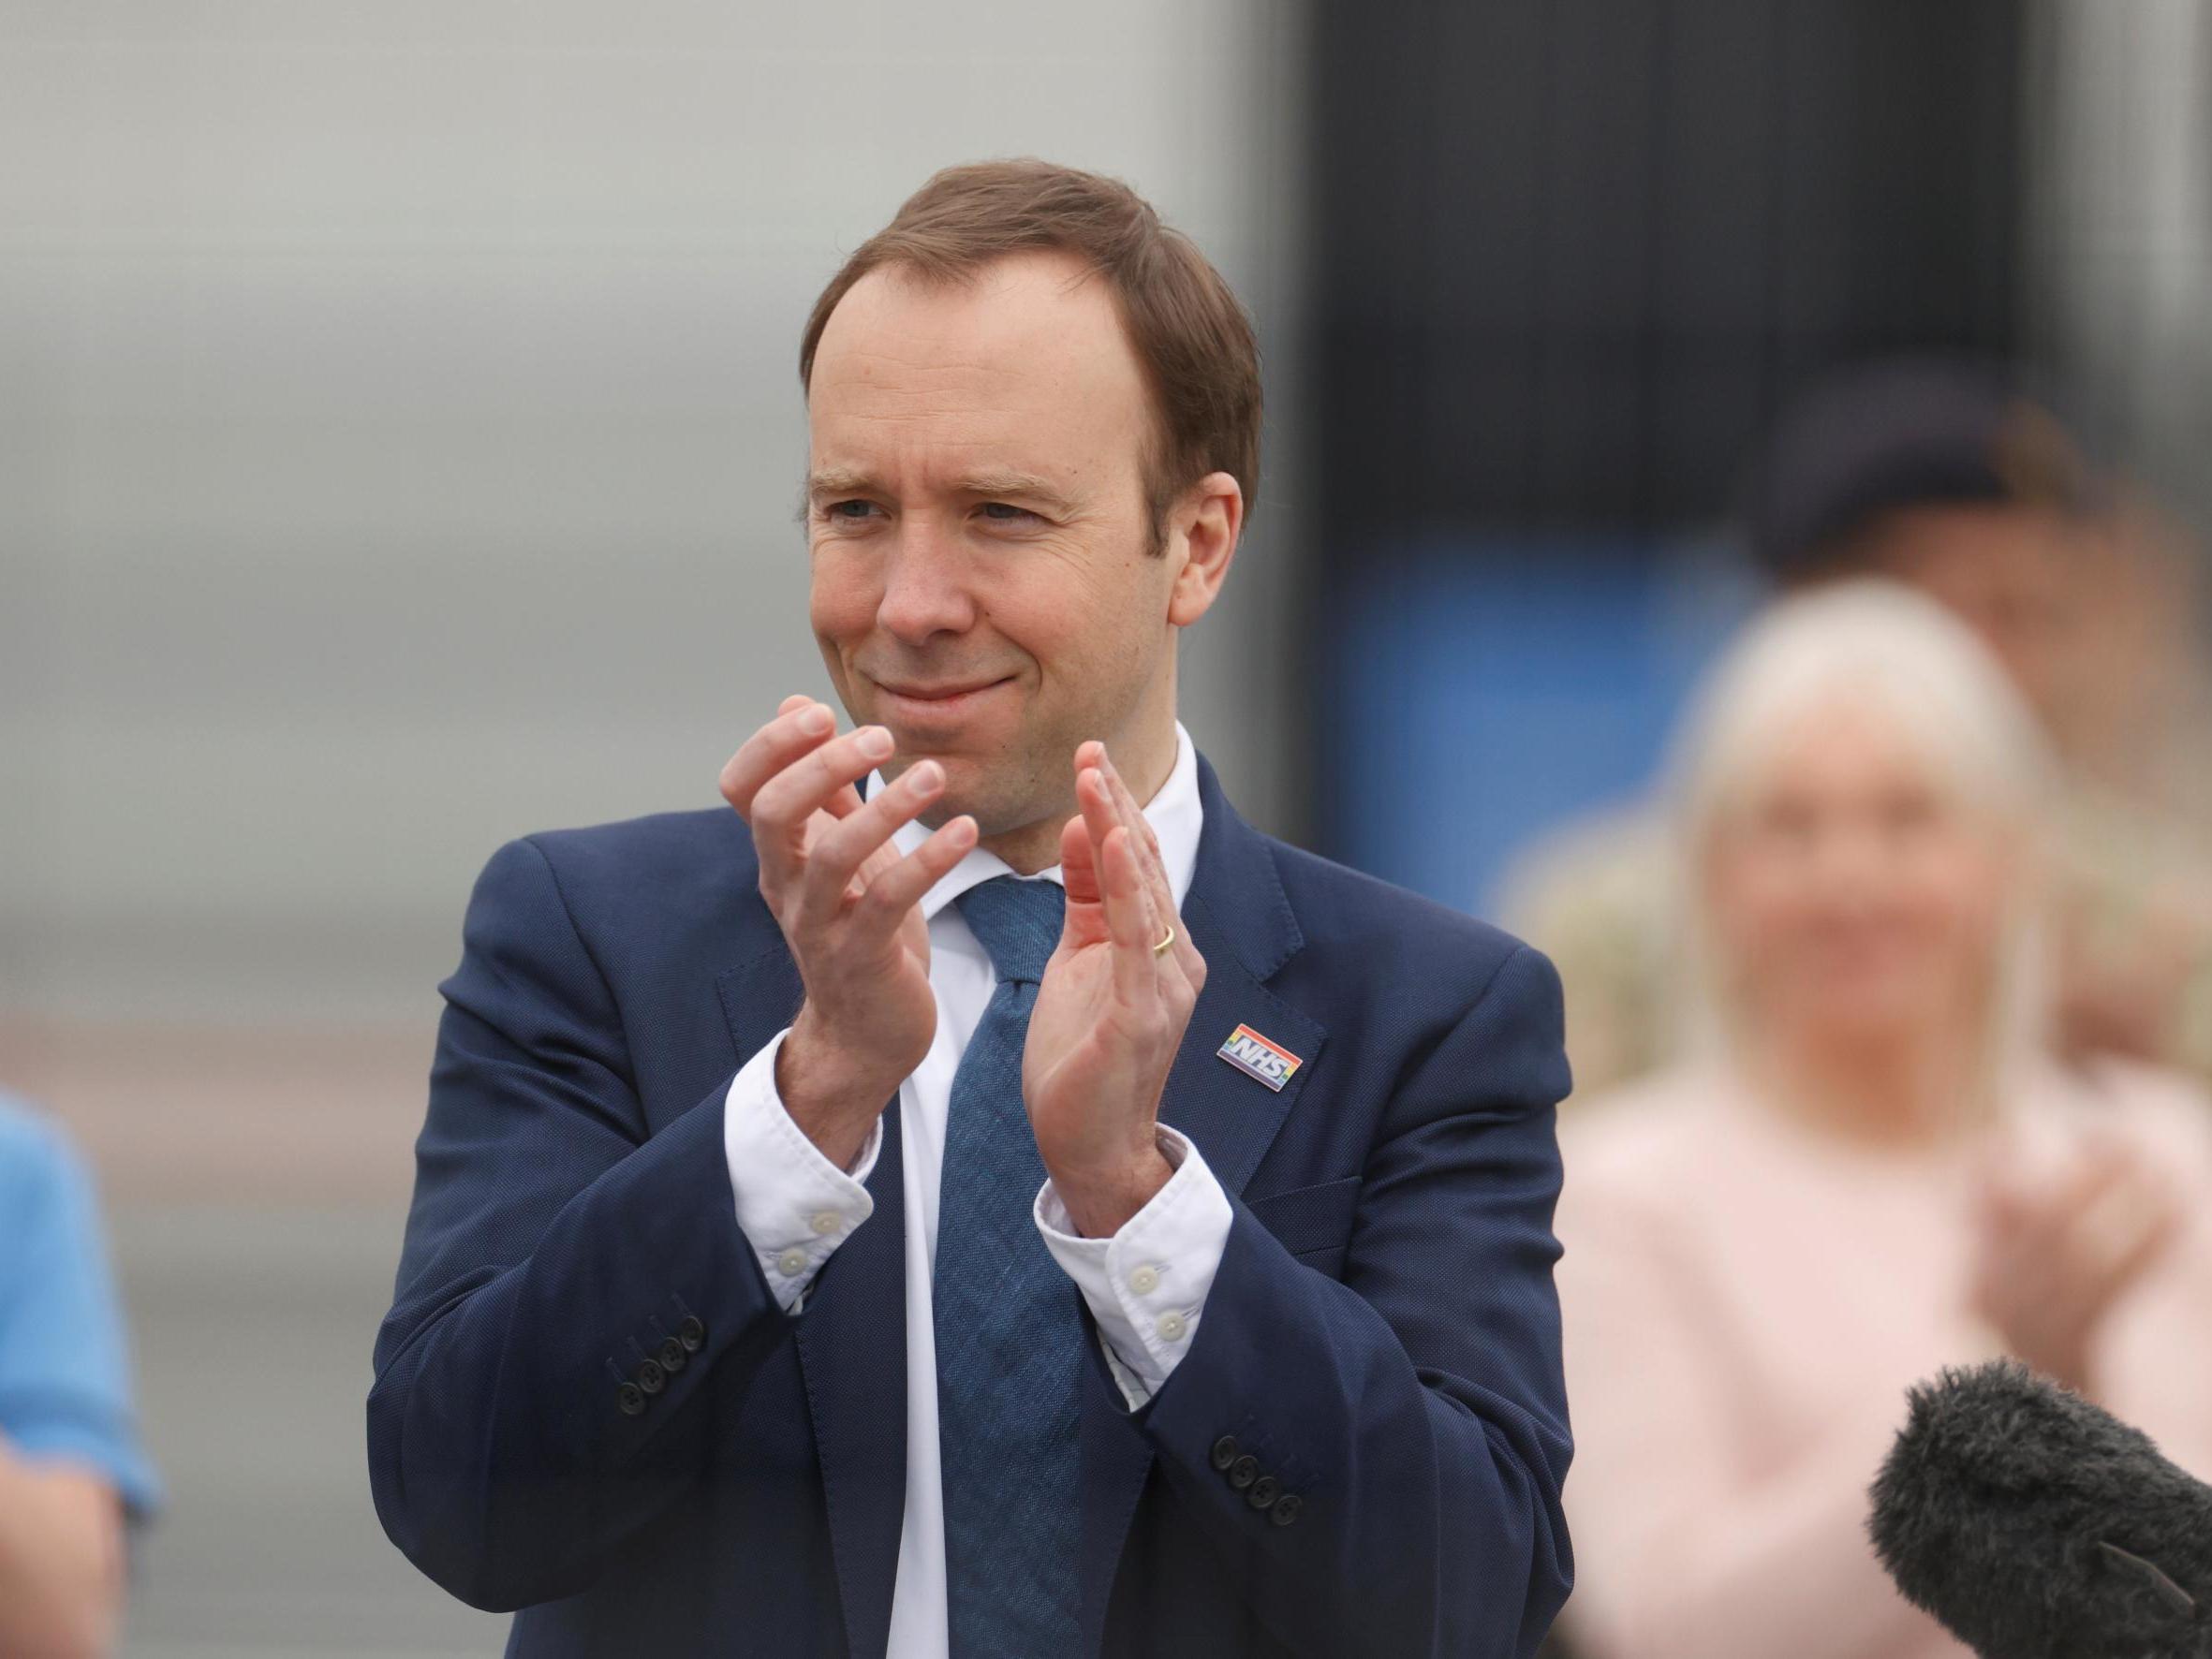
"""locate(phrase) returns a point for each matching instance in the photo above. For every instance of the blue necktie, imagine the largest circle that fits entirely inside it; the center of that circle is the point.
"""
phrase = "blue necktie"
(1009, 1336)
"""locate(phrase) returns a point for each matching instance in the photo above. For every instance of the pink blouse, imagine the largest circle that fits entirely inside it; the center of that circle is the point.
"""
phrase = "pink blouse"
(1746, 1301)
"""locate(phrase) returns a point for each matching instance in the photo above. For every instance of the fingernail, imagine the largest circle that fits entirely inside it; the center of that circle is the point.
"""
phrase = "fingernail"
(875, 742)
(927, 775)
(817, 721)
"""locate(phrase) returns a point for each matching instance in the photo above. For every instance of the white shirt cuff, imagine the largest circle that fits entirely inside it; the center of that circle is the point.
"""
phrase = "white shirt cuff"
(1147, 1285)
(793, 1205)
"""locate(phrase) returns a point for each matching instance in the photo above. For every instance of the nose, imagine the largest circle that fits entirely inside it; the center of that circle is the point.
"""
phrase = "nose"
(925, 585)
(1852, 865)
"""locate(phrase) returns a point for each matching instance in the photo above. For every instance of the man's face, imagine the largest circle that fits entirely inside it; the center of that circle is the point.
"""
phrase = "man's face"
(2009, 574)
(984, 582)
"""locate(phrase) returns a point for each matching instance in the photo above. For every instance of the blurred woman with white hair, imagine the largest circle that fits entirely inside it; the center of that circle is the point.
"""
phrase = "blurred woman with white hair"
(1871, 1168)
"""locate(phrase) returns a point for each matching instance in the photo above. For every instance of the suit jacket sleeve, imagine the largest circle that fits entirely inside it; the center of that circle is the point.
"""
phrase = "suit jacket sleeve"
(551, 1251)
(1416, 1410)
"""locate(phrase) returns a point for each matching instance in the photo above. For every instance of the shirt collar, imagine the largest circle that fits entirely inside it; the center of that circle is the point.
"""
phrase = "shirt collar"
(1175, 813)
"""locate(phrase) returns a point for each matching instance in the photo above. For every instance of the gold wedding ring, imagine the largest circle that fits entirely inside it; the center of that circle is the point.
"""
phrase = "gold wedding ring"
(1166, 945)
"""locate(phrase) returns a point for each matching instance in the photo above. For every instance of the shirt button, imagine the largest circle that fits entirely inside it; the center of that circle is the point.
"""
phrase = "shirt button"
(1171, 1327)
(1145, 1280)
(793, 1262)
(827, 1222)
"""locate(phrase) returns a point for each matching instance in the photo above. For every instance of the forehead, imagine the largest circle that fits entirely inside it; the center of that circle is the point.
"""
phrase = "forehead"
(1024, 366)
(1974, 543)
(1843, 737)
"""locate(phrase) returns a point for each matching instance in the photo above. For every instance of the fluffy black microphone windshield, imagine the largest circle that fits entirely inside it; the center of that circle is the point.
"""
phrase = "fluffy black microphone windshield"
(2035, 1526)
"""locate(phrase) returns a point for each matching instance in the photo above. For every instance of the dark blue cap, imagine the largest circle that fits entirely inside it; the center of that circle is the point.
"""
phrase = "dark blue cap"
(1903, 433)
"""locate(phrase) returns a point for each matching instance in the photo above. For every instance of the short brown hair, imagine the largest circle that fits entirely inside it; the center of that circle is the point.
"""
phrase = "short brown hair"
(1185, 324)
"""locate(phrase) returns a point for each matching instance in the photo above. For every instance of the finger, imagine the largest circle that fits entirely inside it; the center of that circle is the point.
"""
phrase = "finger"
(833, 861)
(801, 724)
(1135, 978)
(1132, 814)
(845, 802)
(1184, 955)
(846, 799)
(784, 803)
(890, 895)
(1995, 1197)
(2099, 1171)
(2152, 1235)
(1146, 844)
(1079, 863)
(1101, 817)
(1095, 801)
(2121, 1235)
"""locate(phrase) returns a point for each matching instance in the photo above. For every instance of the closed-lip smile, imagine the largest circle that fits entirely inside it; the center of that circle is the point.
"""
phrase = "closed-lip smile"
(937, 694)
(935, 705)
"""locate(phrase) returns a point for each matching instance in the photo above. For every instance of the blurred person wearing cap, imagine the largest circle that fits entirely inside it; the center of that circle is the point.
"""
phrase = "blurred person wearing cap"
(979, 1197)
(72, 1474)
(1943, 476)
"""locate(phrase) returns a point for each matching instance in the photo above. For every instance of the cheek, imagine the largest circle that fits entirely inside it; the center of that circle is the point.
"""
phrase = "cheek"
(1080, 619)
(842, 594)
(1961, 893)
(1752, 902)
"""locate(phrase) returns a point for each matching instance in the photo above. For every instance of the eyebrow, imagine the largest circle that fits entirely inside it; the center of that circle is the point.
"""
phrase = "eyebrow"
(839, 482)
(835, 483)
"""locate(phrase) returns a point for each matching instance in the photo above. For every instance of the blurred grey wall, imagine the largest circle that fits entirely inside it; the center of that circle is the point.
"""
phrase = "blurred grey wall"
(399, 436)
(2120, 241)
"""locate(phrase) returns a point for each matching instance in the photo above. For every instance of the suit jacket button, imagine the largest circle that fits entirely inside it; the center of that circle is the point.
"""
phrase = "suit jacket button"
(1263, 1491)
(630, 1398)
(1286, 1509)
(651, 1377)
(692, 1333)
(1225, 1451)
(1245, 1471)
(672, 1356)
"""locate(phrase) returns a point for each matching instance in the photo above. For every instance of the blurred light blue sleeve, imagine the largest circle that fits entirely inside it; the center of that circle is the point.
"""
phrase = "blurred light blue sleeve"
(65, 1381)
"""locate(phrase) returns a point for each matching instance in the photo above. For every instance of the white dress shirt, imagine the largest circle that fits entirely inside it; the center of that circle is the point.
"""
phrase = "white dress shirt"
(1146, 1286)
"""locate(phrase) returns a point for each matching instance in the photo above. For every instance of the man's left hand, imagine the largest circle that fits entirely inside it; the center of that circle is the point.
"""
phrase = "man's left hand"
(1112, 1010)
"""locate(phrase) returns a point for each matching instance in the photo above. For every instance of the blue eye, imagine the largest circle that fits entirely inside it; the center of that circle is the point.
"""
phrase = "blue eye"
(851, 511)
(1000, 512)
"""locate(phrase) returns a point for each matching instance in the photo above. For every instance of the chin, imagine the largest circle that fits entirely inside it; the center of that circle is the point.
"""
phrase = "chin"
(1000, 796)
(1870, 1014)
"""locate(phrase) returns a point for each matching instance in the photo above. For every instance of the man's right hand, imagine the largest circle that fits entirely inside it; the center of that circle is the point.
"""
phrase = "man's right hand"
(847, 900)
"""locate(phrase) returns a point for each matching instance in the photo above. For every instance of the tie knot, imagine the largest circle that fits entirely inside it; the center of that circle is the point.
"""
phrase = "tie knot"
(1017, 921)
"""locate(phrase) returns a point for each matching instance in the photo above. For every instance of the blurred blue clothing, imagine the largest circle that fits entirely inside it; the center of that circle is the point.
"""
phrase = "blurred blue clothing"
(64, 1386)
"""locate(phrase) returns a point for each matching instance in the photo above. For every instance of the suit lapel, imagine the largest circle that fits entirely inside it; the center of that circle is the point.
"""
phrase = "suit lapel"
(851, 1339)
(1241, 922)
(1231, 1115)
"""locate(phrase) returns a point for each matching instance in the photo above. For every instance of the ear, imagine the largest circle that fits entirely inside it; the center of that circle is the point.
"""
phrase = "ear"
(1203, 530)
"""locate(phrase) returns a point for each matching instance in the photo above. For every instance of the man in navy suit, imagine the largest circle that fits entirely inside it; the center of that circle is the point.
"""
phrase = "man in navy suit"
(979, 1197)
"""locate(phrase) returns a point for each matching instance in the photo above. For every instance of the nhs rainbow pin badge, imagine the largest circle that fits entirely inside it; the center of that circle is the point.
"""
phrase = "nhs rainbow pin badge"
(1255, 1056)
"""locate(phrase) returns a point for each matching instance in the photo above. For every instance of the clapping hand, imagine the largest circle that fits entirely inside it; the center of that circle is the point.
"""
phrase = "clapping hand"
(1110, 1013)
(848, 904)
(2056, 1256)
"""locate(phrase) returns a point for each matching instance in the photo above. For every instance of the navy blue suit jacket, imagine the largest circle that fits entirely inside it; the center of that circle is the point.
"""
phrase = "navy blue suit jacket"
(1382, 1339)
